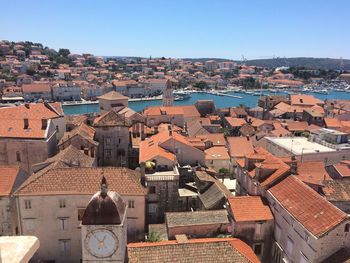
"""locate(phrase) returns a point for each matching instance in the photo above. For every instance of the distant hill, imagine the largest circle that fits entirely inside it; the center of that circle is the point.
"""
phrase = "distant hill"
(314, 63)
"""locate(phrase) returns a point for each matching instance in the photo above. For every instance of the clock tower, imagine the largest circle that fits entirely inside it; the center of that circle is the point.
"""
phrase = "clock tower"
(104, 227)
(168, 96)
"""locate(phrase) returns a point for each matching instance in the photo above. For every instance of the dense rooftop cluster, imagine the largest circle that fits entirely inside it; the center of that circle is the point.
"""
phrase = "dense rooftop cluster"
(190, 183)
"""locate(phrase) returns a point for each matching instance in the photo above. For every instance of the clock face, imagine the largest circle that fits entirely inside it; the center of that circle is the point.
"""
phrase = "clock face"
(101, 243)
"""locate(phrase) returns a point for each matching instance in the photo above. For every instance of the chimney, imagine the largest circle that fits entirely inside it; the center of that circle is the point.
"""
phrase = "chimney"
(26, 123)
(86, 151)
(248, 138)
(27, 105)
(43, 124)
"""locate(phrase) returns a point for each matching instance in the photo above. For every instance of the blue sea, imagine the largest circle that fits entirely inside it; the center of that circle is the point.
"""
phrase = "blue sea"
(220, 101)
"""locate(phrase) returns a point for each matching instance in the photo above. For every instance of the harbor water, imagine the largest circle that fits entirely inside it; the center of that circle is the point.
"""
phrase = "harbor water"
(248, 100)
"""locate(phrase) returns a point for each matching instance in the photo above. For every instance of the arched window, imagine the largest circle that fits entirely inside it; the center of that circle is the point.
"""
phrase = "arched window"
(347, 228)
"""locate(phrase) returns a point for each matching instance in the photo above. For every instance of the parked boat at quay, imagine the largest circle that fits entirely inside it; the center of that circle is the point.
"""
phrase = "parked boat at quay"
(220, 101)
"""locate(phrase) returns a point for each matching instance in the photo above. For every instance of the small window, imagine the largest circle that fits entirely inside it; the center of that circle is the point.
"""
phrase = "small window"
(57, 128)
(63, 222)
(65, 245)
(27, 204)
(62, 203)
(257, 249)
(108, 140)
(131, 204)
(108, 154)
(80, 213)
(152, 190)
(258, 227)
(347, 228)
(18, 156)
(121, 152)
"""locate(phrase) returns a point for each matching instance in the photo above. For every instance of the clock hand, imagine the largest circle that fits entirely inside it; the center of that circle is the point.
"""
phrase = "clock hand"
(97, 239)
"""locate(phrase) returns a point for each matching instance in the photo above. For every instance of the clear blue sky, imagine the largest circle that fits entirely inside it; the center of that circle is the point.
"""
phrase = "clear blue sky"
(183, 28)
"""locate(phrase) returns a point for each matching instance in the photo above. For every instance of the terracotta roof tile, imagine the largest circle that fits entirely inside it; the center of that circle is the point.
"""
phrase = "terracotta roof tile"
(112, 95)
(297, 125)
(218, 139)
(235, 122)
(186, 111)
(312, 172)
(342, 169)
(337, 190)
(12, 120)
(194, 250)
(8, 176)
(239, 146)
(83, 180)
(217, 153)
(249, 208)
(175, 219)
(82, 130)
(304, 100)
(314, 212)
(36, 87)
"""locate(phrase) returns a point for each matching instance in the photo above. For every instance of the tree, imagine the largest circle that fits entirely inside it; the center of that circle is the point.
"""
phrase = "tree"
(153, 237)
(30, 71)
(201, 85)
(223, 171)
(64, 52)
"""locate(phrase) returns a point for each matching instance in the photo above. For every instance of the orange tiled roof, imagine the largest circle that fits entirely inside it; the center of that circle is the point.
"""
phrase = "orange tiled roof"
(12, 120)
(284, 107)
(83, 181)
(8, 175)
(249, 208)
(217, 153)
(235, 122)
(149, 150)
(112, 95)
(157, 111)
(315, 213)
(297, 125)
(200, 250)
(152, 147)
(36, 87)
(239, 146)
(304, 100)
(82, 130)
(312, 172)
(343, 169)
(218, 139)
